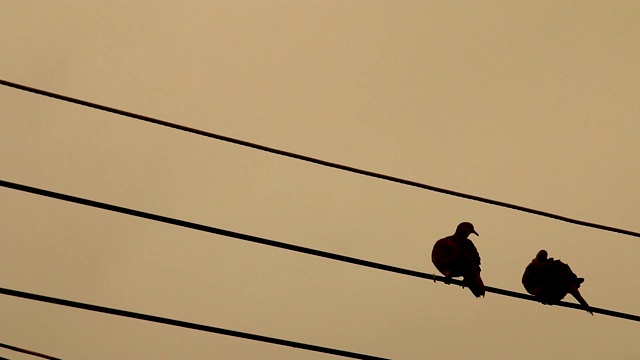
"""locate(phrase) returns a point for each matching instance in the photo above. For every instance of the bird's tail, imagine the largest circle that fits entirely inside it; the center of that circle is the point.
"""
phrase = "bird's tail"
(576, 294)
(475, 284)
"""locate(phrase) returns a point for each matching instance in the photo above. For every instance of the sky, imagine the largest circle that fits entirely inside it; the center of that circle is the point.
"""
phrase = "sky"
(534, 103)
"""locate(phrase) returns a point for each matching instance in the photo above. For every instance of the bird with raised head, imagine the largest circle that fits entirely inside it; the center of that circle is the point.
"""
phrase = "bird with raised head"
(455, 255)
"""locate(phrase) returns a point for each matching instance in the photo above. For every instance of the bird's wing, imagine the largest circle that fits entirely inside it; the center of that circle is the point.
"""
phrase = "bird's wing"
(571, 282)
(445, 255)
(532, 277)
(471, 254)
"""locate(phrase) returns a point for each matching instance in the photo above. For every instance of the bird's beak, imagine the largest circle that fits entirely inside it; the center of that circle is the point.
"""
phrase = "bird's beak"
(474, 232)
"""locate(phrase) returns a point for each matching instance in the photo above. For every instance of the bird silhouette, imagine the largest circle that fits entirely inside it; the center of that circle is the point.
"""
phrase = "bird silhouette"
(550, 280)
(456, 256)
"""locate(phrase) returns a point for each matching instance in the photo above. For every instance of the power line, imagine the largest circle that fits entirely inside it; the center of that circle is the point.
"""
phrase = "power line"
(317, 161)
(185, 324)
(17, 349)
(291, 247)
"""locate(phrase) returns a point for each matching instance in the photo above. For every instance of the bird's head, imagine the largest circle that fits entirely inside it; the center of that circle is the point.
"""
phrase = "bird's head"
(542, 255)
(464, 229)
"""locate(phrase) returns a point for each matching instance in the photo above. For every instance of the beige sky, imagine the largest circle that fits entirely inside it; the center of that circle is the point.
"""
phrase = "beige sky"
(534, 103)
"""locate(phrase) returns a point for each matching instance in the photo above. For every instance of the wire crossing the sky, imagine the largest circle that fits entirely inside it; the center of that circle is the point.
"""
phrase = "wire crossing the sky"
(291, 247)
(317, 161)
(24, 351)
(185, 324)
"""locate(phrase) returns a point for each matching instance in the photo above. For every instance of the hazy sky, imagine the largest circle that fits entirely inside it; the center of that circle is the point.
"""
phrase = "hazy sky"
(534, 103)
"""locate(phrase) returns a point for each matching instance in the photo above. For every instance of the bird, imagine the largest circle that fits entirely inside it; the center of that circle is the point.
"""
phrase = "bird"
(456, 255)
(550, 280)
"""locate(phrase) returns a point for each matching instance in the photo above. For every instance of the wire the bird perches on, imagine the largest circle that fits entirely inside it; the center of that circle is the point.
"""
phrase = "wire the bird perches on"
(287, 246)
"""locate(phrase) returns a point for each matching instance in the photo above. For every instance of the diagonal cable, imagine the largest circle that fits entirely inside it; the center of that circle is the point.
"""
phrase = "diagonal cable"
(287, 246)
(25, 351)
(318, 161)
(185, 324)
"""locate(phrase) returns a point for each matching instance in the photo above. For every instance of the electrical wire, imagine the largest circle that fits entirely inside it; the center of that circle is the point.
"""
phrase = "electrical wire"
(318, 161)
(287, 246)
(185, 324)
(24, 351)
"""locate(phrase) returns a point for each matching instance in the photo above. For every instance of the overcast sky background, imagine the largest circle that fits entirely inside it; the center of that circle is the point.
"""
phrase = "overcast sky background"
(530, 102)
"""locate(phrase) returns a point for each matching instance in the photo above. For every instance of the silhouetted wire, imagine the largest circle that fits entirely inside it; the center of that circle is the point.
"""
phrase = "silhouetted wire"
(286, 246)
(317, 161)
(17, 349)
(185, 324)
